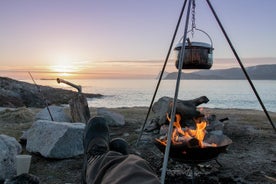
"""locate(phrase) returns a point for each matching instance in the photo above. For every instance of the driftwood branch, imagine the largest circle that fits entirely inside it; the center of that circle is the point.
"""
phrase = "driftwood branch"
(188, 108)
(196, 101)
(78, 104)
(78, 87)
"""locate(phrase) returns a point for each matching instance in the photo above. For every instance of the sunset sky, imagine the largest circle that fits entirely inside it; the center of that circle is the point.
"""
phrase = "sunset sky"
(124, 38)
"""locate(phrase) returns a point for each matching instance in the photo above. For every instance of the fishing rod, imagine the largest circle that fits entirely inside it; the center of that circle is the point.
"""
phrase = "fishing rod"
(44, 99)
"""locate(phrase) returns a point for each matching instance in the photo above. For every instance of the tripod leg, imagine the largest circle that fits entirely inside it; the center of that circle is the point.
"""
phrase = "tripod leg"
(241, 65)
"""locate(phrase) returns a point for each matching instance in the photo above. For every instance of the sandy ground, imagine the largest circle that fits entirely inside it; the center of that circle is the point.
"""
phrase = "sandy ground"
(251, 158)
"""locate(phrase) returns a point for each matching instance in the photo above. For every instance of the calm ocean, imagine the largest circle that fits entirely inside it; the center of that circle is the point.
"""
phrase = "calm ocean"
(221, 93)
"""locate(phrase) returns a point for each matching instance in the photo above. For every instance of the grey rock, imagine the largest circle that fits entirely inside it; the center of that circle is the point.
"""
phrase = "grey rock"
(160, 109)
(161, 106)
(55, 139)
(215, 125)
(9, 148)
(112, 118)
(57, 112)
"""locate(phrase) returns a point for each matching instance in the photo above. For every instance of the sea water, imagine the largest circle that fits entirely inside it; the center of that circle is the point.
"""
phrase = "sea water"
(221, 93)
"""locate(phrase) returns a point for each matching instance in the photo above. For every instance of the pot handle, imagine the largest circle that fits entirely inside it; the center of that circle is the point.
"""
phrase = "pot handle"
(202, 32)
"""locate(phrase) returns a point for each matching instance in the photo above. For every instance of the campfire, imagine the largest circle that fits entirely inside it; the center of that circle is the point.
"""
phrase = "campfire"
(194, 139)
(188, 136)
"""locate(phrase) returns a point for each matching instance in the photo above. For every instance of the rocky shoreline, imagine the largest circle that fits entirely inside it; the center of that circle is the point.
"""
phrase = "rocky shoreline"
(15, 93)
(249, 159)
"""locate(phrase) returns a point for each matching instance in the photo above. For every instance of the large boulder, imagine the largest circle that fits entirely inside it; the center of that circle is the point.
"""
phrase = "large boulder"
(58, 113)
(161, 106)
(55, 139)
(112, 118)
(9, 148)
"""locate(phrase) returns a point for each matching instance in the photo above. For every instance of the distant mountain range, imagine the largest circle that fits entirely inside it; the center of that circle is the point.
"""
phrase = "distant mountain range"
(258, 72)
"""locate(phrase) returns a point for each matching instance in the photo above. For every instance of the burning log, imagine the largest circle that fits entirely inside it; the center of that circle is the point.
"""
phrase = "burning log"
(193, 143)
(195, 137)
(189, 136)
(188, 147)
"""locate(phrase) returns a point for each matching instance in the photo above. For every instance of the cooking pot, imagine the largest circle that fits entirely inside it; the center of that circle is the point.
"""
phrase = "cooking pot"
(198, 55)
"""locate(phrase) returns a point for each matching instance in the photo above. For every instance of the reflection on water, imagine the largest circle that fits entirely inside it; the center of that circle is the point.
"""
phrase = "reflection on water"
(221, 93)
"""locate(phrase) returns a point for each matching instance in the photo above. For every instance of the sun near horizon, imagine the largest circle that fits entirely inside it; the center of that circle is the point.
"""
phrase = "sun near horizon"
(69, 68)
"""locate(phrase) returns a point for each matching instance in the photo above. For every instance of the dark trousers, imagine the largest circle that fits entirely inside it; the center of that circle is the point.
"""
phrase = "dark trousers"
(113, 167)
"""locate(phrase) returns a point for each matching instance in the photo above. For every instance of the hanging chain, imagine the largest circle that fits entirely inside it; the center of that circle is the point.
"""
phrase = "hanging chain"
(193, 17)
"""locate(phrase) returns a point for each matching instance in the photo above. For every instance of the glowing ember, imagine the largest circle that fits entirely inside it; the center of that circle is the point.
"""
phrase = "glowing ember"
(187, 135)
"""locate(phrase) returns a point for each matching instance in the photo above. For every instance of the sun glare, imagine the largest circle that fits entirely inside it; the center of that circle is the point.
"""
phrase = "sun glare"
(64, 67)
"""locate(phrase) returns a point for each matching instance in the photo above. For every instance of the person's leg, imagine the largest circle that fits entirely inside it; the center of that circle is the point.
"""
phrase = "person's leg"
(116, 168)
(120, 145)
(95, 141)
(104, 166)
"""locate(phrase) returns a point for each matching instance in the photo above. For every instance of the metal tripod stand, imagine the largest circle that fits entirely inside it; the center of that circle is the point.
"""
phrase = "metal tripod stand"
(182, 54)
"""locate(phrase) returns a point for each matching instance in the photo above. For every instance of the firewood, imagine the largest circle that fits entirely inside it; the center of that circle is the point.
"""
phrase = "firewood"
(193, 143)
(79, 109)
(196, 101)
(188, 108)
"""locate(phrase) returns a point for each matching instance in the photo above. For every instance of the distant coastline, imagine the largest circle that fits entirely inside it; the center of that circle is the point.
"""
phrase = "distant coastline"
(47, 79)
(258, 72)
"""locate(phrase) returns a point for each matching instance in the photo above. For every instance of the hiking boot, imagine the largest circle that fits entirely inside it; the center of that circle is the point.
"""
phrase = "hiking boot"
(96, 136)
(119, 145)
(95, 141)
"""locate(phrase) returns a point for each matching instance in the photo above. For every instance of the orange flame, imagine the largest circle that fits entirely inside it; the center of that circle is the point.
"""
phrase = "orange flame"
(180, 135)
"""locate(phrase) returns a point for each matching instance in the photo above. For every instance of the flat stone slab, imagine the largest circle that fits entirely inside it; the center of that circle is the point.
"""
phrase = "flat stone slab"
(58, 114)
(55, 139)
